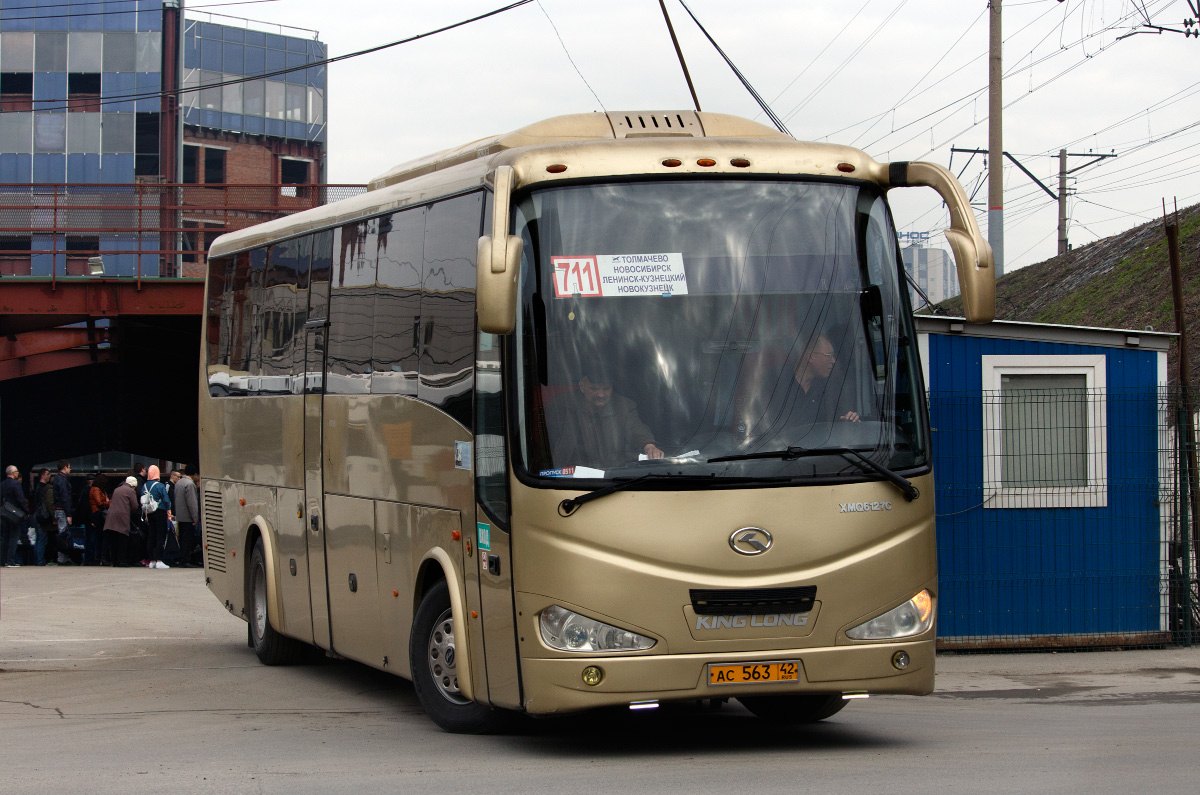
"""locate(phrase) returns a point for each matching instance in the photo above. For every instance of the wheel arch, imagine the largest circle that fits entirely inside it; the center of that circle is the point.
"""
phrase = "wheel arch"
(433, 568)
(260, 528)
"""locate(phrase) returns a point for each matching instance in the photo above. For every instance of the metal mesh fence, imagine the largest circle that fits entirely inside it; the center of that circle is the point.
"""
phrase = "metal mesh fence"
(1063, 518)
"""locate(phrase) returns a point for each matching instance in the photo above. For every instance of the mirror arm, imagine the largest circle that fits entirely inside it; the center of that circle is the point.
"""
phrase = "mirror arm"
(498, 262)
(972, 253)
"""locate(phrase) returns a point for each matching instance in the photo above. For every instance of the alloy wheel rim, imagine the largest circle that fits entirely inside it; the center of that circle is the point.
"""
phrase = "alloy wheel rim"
(260, 602)
(443, 662)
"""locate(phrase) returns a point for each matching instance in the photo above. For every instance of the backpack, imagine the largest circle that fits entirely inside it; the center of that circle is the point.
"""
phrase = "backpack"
(149, 504)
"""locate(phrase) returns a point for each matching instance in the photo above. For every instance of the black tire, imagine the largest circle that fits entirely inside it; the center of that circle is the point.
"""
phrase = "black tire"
(794, 710)
(432, 656)
(271, 647)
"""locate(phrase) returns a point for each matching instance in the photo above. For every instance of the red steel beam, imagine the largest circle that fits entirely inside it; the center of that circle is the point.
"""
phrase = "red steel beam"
(92, 297)
(33, 343)
(49, 362)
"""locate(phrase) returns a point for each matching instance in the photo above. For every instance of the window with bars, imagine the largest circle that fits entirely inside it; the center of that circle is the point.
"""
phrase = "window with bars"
(1045, 431)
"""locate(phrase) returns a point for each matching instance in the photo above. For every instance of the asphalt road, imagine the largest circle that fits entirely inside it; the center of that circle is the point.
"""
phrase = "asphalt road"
(130, 681)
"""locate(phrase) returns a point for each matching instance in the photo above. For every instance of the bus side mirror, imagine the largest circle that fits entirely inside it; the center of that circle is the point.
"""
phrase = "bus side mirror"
(972, 254)
(498, 263)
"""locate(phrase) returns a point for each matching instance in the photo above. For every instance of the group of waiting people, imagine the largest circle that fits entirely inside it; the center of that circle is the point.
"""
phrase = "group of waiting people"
(145, 520)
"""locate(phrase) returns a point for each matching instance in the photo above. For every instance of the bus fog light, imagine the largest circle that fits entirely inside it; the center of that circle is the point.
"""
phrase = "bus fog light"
(568, 631)
(900, 660)
(911, 618)
(593, 675)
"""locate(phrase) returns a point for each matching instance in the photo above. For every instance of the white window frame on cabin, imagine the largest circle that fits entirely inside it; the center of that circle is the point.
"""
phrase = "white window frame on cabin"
(1094, 494)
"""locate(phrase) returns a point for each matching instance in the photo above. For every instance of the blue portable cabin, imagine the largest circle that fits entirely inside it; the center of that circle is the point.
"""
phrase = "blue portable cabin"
(1055, 483)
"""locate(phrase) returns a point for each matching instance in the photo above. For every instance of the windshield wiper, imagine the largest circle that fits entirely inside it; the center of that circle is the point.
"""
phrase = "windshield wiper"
(569, 506)
(910, 491)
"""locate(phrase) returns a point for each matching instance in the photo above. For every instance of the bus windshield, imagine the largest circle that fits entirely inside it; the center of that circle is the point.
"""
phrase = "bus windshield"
(664, 324)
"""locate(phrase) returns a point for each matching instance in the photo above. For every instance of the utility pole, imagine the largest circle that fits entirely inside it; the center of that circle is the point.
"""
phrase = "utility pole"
(995, 141)
(1063, 172)
(1187, 429)
(1062, 202)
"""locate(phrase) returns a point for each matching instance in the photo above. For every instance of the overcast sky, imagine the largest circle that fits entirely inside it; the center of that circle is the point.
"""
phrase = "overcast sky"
(901, 79)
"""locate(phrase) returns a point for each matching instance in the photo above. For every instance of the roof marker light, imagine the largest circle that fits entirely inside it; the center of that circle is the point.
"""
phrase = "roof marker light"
(557, 168)
(706, 162)
(846, 168)
(740, 162)
(671, 162)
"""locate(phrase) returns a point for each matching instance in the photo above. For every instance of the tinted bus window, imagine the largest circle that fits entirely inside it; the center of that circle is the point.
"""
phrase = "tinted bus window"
(303, 269)
(322, 265)
(398, 303)
(452, 230)
(217, 327)
(351, 307)
(285, 286)
(241, 324)
(255, 301)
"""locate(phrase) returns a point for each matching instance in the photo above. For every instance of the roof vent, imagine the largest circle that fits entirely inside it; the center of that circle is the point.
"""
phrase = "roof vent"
(676, 124)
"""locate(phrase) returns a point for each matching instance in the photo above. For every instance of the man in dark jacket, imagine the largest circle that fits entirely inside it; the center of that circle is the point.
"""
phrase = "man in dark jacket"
(43, 508)
(187, 514)
(594, 427)
(62, 507)
(11, 491)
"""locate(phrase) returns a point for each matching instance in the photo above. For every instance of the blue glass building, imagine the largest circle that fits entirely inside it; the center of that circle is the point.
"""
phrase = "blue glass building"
(80, 105)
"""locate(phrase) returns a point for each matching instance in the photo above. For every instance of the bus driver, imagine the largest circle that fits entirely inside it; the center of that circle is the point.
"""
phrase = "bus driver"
(591, 426)
(817, 400)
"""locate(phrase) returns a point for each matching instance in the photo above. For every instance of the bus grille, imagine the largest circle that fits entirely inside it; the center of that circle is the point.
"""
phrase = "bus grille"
(753, 601)
(214, 531)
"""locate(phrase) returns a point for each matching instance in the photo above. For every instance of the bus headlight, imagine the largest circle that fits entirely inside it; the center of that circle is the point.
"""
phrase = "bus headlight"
(568, 631)
(911, 618)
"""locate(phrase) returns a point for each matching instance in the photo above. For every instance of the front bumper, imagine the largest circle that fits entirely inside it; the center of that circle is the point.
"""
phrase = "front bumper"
(556, 685)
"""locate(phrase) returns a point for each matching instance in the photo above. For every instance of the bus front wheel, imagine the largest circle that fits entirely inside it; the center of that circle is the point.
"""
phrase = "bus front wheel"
(433, 656)
(794, 710)
(271, 647)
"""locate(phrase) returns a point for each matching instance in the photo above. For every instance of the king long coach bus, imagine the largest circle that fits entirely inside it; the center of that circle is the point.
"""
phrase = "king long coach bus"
(615, 409)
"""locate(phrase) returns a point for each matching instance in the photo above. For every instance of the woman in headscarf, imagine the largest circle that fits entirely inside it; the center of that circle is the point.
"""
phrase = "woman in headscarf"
(156, 520)
(116, 524)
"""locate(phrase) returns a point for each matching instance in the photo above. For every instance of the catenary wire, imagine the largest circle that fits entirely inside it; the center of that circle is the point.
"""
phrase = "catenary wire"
(567, 52)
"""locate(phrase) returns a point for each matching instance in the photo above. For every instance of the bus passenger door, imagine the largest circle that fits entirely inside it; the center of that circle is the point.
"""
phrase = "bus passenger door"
(314, 487)
(493, 560)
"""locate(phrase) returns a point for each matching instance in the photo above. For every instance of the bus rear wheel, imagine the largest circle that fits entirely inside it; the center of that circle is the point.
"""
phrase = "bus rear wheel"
(794, 710)
(271, 647)
(433, 657)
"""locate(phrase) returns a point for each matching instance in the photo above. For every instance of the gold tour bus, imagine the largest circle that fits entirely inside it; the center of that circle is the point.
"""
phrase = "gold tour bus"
(615, 409)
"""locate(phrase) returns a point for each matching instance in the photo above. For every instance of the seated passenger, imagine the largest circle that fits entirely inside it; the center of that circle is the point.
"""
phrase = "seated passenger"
(591, 426)
(817, 400)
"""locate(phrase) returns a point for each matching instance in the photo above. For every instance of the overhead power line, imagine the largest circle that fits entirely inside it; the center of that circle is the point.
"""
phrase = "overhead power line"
(761, 102)
(324, 62)
(960, 104)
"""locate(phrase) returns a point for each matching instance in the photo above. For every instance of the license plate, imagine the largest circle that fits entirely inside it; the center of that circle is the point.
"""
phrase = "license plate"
(753, 673)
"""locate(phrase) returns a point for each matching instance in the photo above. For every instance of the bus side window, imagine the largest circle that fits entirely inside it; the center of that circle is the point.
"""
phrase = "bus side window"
(447, 333)
(491, 460)
(351, 307)
(217, 329)
(398, 303)
(284, 308)
(237, 330)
